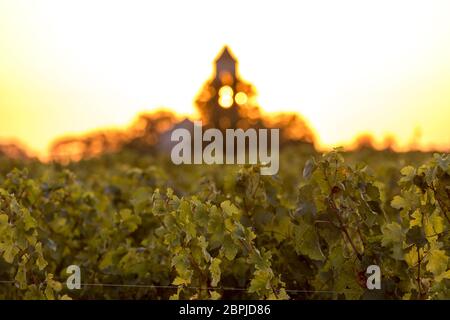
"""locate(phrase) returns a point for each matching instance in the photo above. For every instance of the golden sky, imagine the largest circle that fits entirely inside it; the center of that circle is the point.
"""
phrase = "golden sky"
(349, 67)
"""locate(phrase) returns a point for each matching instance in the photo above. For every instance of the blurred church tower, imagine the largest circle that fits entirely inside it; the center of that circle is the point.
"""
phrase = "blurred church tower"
(226, 101)
(226, 67)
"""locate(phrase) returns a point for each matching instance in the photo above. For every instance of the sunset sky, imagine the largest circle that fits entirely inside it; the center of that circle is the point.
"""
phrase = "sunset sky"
(348, 67)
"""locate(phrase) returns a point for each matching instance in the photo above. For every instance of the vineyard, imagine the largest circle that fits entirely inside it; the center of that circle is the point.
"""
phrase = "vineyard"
(140, 227)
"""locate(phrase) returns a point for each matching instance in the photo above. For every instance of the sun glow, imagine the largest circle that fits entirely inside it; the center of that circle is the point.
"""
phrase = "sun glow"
(226, 97)
(241, 98)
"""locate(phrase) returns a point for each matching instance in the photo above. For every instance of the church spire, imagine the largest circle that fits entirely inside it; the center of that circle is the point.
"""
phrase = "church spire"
(226, 66)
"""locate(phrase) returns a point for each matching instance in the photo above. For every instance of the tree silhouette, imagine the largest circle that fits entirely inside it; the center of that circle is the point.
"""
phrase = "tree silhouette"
(224, 102)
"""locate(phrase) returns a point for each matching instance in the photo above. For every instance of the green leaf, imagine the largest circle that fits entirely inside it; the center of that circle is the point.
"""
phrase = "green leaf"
(181, 263)
(260, 282)
(416, 236)
(21, 275)
(40, 261)
(28, 220)
(393, 235)
(306, 241)
(229, 248)
(229, 209)
(214, 268)
(107, 260)
(129, 220)
(408, 173)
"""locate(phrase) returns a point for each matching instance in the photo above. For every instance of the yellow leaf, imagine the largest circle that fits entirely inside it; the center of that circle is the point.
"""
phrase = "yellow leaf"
(411, 257)
(416, 219)
(437, 261)
(442, 276)
(437, 222)
(434, 226)
(215, 295)
(398, 202)
(10, 253)
(3, 219)
(180, 281)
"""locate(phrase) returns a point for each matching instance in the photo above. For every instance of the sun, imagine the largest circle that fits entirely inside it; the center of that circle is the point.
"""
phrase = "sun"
(226, 97)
